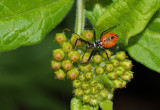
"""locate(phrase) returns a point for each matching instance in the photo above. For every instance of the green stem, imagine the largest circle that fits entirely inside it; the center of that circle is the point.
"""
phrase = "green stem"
(79, 17)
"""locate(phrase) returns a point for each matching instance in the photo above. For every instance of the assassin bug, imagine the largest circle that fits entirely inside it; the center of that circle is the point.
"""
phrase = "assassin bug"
(106, 41)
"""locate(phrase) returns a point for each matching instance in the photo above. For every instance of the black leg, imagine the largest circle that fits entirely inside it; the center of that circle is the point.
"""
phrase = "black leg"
(106, 54)
(108, 30)
(88, 58)
(94, 32)
(86, 42)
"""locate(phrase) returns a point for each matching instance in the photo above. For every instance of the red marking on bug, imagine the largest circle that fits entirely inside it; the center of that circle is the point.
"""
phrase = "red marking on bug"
(109, 39)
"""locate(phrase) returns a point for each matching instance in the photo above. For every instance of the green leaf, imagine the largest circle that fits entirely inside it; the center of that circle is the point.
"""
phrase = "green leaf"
(88, 107)
(76, 104)
(25, 22)
(102, 78)
(145, 47)
(132, 15)
(106, 105)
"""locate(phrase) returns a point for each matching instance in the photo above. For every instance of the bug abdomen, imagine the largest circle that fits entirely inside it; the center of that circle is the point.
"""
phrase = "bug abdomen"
(109, 40)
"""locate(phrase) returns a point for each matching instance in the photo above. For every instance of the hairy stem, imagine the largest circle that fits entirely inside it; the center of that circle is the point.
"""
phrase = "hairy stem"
(79, 17)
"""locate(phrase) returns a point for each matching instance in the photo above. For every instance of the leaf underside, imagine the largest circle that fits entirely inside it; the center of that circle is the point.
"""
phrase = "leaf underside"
(24, 23)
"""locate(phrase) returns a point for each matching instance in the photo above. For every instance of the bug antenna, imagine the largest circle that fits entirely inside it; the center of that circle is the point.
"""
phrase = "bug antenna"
(66, 29)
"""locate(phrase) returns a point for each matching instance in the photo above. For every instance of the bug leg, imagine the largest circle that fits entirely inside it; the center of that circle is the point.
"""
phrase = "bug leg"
(108, 30)
(106, 54)
(80, 39)
(88, 58)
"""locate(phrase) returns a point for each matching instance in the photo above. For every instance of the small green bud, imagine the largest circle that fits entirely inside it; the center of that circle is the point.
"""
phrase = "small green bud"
(86, 98)
(121, 55)
(73, 56)
(115, 62)
(58, 54)
(81, 77)
(78, 92)
(100, 86)
(127, 76)
(55, 65)
(99, 70)
(104, 94)
(127, 64)
(66, 47)
(93, 102)
(60, 38)
(94, 90)
(73, 40)
(117, 83)
(94, 96)
(120, 70)
(112, 75)
(87, 35)
(72, 74)
(93, 83)
(87, 91)
(108, 52)
(109, 67)
(124, 83)
(67, 65)
(110, 96)
(60, 75)
(85, 57)
(89, 75)
(85, 85)
(97, 59)
(85, 68)
(76, 83)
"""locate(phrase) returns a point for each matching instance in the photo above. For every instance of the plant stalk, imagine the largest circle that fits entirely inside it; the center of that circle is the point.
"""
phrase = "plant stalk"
(80, 17)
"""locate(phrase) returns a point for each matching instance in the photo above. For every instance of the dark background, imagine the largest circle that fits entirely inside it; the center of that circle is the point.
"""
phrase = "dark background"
(28, 83)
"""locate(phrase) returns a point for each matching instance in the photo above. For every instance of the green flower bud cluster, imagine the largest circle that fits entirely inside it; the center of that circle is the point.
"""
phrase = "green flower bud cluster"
(66, 63)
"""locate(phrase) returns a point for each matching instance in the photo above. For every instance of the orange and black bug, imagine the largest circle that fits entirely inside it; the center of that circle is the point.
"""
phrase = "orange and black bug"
(107, 40)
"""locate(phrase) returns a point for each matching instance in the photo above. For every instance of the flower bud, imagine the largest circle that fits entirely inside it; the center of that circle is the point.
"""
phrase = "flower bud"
(97, 59)
(85, 57)
(55, 65)
(85, 68)
(93, 102)
(60, 38)
(127, 64)
(67, 65)
(100, 86)
(72, 74)
(93, 83)
(66, 47)
(120, 70)
(73, 40)
(78, 92)
(86, 98)
(81, 77)
(120, 55)
(85, 85)
(117, 83)
(109, 67)
(58, 54)
(110, 96)
(87, 91)
(87, 35)
(124, 84)
(104, 94)
(99, 70)
(108, 52)
(73, 56)
(94, 90)
(60, 75)
(89, 75)
(76, 83)
(115, 62)
(112, 75)
(127, 76)
(94, 96)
